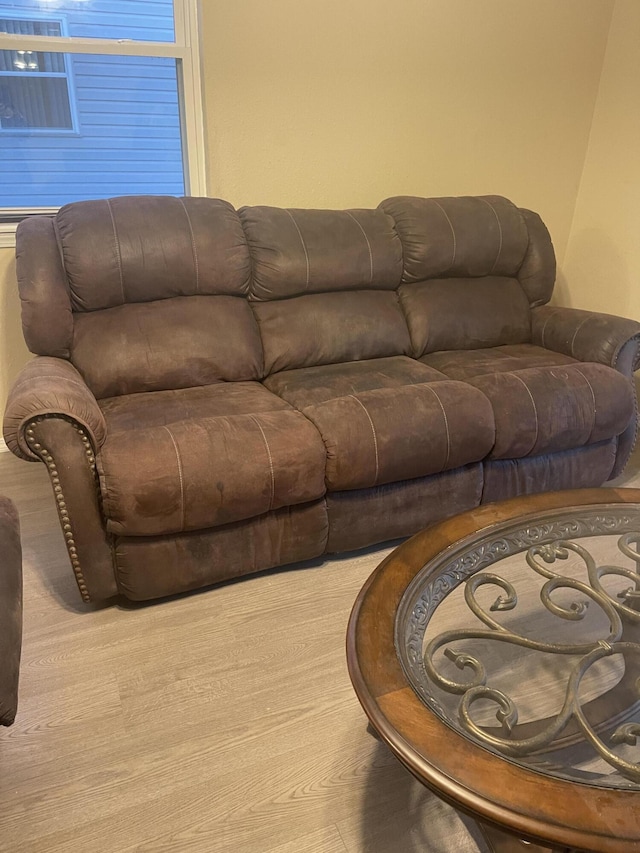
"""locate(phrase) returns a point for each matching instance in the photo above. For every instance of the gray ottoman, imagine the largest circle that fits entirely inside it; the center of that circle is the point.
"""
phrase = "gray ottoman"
(10, 610)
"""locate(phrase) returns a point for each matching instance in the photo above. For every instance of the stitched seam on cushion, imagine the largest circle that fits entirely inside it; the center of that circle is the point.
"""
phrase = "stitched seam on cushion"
(446, 426)
(271, 471)
(368, 244)
(593, 397)
(175, 447)
(573, 339)
(453, 233)
(115, 234)
(495, 213)
(56, 231)
(375, 437)
(193, 245)
(544, 329)
(535, 408)
(304, 246)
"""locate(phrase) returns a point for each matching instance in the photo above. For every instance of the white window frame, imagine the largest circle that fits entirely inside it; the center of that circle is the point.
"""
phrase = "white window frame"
(185, 50)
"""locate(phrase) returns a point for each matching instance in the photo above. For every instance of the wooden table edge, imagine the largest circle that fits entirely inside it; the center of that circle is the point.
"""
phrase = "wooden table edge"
(474, 798)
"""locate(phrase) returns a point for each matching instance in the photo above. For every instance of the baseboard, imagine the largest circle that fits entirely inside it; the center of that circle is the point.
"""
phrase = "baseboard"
(3, 446)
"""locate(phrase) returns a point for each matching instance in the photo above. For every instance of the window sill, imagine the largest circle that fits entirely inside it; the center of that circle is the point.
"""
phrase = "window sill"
(10, 218)
(8, 235)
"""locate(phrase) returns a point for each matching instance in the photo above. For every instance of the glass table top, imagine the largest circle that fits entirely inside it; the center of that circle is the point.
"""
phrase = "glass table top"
(525, 638)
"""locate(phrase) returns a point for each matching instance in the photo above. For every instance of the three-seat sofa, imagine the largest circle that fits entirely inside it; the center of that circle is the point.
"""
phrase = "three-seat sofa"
(217, 392)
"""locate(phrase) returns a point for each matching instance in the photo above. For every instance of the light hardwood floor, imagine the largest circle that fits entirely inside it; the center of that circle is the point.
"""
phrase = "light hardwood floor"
(219, 721)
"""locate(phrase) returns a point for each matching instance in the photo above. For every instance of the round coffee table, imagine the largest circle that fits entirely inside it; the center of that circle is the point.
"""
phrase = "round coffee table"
(498, 656)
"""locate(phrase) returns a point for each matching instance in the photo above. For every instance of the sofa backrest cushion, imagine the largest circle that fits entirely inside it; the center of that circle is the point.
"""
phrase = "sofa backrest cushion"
(327, 328)
(169, 343)
(482, 235)
(273, 289)
(463, 313)
(142, 248)
(324, 285)
(155, 290)
(294, 252)
(471, 237)
(473, 268)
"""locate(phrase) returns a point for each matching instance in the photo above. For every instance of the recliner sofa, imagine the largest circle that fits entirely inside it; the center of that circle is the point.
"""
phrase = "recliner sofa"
(217, 392)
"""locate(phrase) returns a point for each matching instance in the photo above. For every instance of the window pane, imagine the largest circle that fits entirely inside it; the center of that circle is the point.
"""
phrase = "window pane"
(128, 139)
(30, 102)
(30, 61)
(42, 101)
(139, 20)
(26, 27)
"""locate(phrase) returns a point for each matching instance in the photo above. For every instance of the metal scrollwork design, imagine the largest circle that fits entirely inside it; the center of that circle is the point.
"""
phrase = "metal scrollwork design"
(542, 557)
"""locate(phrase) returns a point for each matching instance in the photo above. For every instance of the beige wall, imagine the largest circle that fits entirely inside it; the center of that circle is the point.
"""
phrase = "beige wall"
(340, 103)
(345, 102)
(602, 264)
(13, 352)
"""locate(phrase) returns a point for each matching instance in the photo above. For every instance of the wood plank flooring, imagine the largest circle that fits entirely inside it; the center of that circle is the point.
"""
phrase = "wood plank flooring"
(219, 721)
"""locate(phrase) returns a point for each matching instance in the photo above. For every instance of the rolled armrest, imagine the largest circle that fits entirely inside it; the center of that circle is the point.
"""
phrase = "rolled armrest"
(50, 387)
(588, 336)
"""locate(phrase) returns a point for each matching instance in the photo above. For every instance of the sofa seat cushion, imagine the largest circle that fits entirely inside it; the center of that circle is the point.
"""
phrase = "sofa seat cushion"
(390, 434)
(208, 471)
(161, 408)
(464, 364)
(308, 385)
(553, 408)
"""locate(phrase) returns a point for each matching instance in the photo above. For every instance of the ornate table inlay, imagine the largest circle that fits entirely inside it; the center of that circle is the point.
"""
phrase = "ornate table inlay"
(588, 739)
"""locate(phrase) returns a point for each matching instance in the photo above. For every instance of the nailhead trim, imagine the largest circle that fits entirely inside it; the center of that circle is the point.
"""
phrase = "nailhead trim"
(65, 521)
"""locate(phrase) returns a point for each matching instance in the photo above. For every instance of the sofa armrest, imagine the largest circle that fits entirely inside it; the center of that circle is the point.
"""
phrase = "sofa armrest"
(50, 387)
(588, 336)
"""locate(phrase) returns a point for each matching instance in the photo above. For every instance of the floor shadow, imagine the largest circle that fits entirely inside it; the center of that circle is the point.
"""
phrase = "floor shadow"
(400, 815)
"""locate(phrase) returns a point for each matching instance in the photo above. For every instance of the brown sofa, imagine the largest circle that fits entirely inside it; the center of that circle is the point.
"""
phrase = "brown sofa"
(217, 392)
(10, 610)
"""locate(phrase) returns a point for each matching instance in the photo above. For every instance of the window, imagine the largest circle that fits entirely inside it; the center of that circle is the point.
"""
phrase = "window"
(97, 98)
(34, 84)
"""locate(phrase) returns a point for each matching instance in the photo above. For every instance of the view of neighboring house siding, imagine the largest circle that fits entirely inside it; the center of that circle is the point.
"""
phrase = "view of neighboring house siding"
(125, 133)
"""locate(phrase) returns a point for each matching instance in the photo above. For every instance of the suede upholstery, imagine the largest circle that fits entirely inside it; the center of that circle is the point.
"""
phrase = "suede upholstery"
(296, 252)
(126, 250)
(206, 472)
(379, 436)
(456, 313)
(313, 385)
(465, 364)
(545, 410)
(171, 343)
(217, 392)
(10, 610)
(329, 328)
